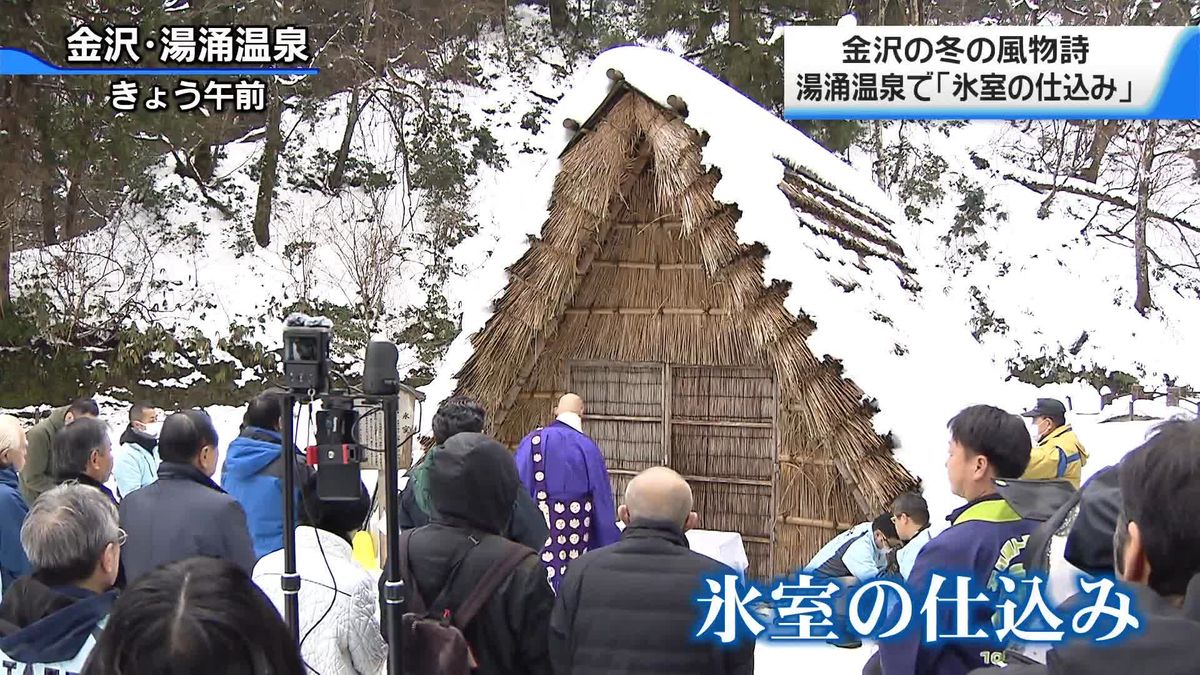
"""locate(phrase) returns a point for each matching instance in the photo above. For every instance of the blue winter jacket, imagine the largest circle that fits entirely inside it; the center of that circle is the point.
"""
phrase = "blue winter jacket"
(850, 554)
(253, 475)
(986, 536)
(47, 629)
(13, 510)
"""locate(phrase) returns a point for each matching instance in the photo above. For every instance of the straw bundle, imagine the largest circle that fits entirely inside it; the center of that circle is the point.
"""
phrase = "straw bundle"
(639, 296)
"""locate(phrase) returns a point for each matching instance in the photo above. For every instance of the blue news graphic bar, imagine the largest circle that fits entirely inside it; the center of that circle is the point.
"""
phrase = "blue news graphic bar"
(1176, 97)
(20, 62)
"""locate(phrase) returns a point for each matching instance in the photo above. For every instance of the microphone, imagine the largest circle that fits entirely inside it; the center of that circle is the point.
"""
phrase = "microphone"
(380, 376)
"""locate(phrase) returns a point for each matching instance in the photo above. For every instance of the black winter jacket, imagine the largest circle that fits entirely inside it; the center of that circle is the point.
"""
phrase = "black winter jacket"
(472, 480)
(181, 515)
(628, 608)
(1168, 644)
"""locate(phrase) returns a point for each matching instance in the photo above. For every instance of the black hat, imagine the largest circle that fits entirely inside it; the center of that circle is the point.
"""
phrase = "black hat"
(1047, 407)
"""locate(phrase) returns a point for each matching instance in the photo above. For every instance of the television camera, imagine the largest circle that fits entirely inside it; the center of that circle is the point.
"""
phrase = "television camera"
(338, 452)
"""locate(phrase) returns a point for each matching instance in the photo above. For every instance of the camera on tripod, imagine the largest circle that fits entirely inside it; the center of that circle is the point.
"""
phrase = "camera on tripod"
(306, 343)
(338, 452)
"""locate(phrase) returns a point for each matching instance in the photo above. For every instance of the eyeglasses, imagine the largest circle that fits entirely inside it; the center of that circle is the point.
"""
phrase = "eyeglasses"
(121, 537)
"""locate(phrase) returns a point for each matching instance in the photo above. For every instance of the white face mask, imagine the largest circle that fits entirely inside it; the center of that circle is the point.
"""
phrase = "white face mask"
(152, 429)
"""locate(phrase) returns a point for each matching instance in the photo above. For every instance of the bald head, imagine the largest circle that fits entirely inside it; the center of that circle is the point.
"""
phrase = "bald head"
(660, 495)
(569, 403)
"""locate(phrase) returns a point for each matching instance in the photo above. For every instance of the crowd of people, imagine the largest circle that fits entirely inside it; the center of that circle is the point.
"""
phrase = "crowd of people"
(523, 563)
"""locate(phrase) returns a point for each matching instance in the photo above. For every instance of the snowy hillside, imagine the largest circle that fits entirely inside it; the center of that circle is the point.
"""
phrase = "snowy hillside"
(1001, 285)
(1045, 279)
(1009, 288)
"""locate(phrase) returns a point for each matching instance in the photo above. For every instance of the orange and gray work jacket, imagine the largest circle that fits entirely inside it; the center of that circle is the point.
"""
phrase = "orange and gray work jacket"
(1058, 454)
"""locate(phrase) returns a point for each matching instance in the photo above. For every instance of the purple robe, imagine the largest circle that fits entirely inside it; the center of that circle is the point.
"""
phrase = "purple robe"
(565, 474)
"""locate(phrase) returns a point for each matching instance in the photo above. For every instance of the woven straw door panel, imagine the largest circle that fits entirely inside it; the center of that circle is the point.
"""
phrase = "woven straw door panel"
(623, 414)
(721, 422)
(723, 442)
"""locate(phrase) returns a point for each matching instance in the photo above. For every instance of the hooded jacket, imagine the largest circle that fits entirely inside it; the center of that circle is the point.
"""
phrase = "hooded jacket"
(472, 480)
(253, 475)
(54, 626)
(527, 525)
(136, 465)
(181, 515)
(13, 510)
(986, 536)
(628, 608)
(1089, 543)
(1168, 644)
(35, 477)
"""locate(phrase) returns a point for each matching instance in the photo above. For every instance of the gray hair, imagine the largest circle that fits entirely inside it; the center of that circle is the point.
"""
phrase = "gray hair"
(11, 436)
(73, 446)
(67, 530)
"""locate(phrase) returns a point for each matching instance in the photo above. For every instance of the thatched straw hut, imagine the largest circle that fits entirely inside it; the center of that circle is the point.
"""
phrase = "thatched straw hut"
(641, 296)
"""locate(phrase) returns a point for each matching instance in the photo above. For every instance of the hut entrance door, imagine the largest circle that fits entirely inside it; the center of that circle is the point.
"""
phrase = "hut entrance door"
(715, 425)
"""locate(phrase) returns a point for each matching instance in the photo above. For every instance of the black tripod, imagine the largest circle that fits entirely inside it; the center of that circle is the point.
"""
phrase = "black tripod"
(389, 405)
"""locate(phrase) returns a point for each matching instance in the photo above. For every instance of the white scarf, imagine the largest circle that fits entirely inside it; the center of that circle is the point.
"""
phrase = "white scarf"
(572, 420)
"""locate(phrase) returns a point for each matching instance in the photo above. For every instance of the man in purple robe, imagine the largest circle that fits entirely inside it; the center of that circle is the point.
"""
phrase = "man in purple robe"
(565, 474)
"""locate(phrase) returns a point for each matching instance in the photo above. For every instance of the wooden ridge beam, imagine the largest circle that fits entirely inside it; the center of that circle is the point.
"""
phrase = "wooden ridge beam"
(646, 311)
(811, 522)
(625, 264)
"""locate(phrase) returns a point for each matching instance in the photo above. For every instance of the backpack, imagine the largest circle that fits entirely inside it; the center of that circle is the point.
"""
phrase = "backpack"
(432, 640)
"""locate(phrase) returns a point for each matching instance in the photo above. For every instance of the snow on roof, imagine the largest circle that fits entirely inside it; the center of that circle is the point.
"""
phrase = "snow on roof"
(859, 302)
(722, 111)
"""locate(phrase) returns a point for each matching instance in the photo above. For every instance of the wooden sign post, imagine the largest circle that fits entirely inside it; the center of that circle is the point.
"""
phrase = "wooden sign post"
(371, 434)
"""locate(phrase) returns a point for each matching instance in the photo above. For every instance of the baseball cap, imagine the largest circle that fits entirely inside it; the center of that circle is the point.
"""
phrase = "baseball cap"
(1046, 407)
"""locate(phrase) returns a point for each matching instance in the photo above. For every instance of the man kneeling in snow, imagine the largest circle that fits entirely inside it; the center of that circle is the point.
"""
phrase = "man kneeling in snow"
(856, 556)
(53, 616)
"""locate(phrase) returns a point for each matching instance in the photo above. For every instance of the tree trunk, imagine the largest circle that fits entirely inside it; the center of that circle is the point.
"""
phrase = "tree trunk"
(46, 150)
(6, 246)
(1105, 131)
(914, 13)
(560, 19)
(270, 159)
(736, 22)
(880, 164)
(1143, 303)
(204, 162)
(736, 69)
(71, 220)
(339, 165)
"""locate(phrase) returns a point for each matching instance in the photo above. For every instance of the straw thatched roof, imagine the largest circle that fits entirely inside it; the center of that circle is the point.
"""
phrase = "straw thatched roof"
(638, 262)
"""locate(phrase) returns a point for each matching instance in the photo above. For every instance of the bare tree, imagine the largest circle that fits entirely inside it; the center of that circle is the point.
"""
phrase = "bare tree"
(1144, 192)
(270, 161)
(1143, 303)
(355, 107)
